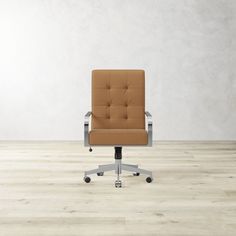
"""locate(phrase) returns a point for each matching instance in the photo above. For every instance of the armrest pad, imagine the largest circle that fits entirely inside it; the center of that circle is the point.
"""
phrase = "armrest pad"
(86, 117)
(148, 114)
(149, 117)
(88, 114)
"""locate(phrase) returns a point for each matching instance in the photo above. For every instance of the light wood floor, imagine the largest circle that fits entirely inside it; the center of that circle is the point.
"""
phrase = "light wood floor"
(42, 190)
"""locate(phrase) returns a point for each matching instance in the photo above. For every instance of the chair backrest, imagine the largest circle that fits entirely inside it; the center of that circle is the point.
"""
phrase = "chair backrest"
(118, 99)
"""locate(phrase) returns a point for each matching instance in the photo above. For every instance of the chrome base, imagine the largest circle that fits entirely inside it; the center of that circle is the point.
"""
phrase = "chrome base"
(118, 167)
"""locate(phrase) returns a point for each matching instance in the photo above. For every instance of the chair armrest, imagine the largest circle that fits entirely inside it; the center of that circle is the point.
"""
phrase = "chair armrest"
(86, 127)
(149, 121)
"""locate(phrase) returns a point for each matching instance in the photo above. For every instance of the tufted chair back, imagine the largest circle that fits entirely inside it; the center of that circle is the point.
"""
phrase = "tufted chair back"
(118, 99)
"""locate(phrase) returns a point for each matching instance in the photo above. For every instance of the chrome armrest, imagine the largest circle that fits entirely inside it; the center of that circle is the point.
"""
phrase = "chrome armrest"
(86, 127)
(149, 121)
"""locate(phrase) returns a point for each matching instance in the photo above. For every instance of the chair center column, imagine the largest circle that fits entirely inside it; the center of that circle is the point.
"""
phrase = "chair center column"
(118, 153)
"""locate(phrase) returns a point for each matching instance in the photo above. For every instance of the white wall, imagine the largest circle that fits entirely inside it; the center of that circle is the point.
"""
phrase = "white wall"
(49, 47)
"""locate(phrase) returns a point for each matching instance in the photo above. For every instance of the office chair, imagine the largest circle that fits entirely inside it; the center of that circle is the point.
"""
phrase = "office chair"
(118, 118)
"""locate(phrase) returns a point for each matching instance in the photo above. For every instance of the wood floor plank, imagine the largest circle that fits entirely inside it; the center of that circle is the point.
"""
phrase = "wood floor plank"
(42, 190)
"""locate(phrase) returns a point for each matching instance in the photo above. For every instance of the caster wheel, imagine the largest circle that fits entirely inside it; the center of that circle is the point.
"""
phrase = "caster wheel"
(149, 179)
(118, 184)
(90, 149)
(100, 174)
(87, 179)
(136, 174)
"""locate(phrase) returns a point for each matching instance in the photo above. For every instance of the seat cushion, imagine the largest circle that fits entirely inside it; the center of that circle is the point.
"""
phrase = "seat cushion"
(118, 137)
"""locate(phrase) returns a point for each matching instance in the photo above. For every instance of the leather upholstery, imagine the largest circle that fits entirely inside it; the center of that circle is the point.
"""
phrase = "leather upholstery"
(118, 105)
(118, 136)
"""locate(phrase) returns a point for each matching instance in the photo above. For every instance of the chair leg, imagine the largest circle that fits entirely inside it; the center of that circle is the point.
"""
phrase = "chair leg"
(135, 166)
(100, 169)
(135, 169)
(118, 167)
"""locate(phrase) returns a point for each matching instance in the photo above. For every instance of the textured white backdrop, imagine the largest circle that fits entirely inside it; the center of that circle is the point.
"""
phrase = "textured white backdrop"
(49, 47)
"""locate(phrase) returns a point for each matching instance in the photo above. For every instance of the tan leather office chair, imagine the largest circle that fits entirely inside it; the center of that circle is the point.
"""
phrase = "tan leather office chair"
(118, 118)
